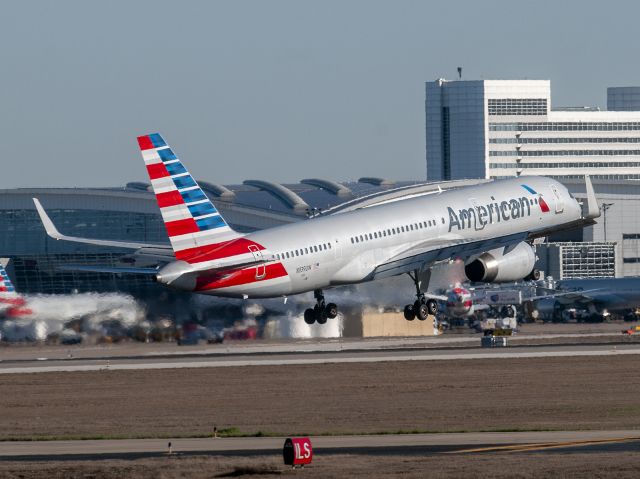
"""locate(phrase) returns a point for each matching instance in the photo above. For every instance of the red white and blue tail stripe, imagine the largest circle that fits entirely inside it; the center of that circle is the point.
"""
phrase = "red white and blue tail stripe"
(6, 286)
(189, 216)
(9, 296)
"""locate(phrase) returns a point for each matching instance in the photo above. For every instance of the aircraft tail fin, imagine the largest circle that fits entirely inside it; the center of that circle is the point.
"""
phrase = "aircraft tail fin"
(6, 286)
(192, 221)
(9, 297)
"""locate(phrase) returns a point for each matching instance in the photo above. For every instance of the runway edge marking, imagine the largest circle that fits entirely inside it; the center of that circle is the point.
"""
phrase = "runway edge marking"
(543, 446)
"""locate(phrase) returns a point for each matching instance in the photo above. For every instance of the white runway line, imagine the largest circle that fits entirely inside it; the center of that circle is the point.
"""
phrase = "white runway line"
(494, 354)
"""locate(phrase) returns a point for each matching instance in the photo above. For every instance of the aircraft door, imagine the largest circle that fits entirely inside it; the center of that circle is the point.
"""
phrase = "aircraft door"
(261, 270)
(558, 199)
(337, 249)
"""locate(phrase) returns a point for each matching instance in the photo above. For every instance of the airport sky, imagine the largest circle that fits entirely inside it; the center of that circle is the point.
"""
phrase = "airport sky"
(277, 90)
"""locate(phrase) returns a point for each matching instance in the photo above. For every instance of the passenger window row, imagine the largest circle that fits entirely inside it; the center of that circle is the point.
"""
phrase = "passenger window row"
(392, 231)
(304, 251)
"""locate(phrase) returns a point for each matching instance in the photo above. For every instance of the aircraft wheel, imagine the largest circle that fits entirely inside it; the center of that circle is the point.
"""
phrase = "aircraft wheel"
(309, 316)
(331, 310)
(422, 312)
(409, 315)
(322, 317)
(432, 307)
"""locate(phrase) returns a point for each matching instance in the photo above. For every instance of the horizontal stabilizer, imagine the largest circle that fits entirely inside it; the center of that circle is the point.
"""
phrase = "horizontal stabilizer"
(106, 269)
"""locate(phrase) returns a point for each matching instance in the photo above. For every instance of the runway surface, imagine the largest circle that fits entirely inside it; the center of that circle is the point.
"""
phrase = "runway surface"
(540, 333)
(365, 356)
(452, 443)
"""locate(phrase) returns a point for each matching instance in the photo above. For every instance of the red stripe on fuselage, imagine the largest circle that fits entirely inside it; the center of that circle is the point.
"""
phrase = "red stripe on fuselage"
(239, 277)
(157, 170)
(15, 312)
(145, 142)
(181, 227)
(13, 301)
(216, 251)
(169, 198)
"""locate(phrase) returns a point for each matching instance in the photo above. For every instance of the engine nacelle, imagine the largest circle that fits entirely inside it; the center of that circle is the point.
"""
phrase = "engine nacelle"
(495, 266)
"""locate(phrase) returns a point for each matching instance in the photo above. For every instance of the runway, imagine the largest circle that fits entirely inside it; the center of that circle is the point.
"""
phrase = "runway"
(295, 358)
(450, 443)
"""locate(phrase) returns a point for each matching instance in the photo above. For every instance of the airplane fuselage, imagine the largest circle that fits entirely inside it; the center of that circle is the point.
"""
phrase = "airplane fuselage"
(348, 248)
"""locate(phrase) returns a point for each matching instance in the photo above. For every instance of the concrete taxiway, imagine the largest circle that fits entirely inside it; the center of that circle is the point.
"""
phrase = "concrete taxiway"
(44, 365)
(450, 443)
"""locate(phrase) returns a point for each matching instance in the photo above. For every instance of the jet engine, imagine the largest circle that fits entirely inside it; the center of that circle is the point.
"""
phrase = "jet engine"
(502, 265)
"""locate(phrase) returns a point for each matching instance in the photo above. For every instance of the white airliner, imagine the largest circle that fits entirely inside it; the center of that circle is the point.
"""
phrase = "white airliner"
(489, 225)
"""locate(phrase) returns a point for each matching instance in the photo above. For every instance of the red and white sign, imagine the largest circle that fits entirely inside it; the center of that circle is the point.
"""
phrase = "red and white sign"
(297, 451)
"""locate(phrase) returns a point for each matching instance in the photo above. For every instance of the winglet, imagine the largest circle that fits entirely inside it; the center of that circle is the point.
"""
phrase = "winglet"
(49, 227)
(591, 209)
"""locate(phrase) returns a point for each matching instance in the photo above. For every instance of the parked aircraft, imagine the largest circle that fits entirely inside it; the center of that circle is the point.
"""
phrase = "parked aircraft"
(598, 296)
(34, 317)
(490, 225)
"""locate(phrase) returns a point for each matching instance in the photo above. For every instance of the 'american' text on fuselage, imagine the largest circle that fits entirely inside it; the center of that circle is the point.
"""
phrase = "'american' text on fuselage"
(478, 217)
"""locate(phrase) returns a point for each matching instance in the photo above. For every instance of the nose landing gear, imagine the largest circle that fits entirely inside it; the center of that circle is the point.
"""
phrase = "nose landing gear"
(321, 311)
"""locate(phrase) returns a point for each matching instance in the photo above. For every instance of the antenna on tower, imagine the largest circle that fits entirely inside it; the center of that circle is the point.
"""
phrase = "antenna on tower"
(460, 73)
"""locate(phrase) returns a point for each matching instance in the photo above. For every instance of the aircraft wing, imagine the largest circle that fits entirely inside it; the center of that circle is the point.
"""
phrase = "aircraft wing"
(53, 232)
(426, 254)
(570, 297)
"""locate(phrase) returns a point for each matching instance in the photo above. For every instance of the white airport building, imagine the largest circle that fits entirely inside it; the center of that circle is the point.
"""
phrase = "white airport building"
(506, 128)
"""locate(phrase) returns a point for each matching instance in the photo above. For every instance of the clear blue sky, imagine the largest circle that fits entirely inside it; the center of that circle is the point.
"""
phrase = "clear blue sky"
(278, 90)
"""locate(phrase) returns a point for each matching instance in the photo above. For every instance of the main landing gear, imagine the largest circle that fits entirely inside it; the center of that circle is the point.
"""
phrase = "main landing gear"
(321, 311)
(422, 307)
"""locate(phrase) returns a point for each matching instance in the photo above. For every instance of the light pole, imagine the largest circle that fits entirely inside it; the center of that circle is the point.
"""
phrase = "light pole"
(605, 207)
